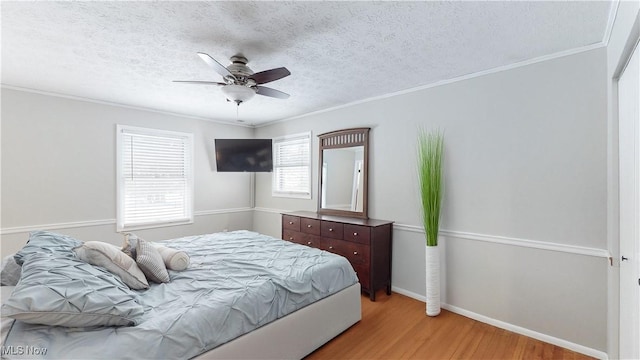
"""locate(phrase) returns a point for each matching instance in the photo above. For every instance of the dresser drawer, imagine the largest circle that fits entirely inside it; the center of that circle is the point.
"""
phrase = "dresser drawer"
(291, 222)
(355, 253)
(293, 236)
(303, 239)
(313, 241)
(310, 226)
(332, 229)
(357, 233)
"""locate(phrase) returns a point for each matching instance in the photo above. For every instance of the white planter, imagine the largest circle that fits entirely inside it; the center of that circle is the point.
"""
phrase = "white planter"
(433, 280)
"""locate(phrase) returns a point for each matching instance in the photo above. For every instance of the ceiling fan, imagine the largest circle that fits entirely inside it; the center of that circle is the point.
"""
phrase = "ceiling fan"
(240, 82)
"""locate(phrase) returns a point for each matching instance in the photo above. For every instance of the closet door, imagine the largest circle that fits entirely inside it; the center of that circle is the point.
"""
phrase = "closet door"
(629, 147)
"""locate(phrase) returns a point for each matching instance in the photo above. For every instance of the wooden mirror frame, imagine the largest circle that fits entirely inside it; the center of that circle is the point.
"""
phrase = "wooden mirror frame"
(344, 139)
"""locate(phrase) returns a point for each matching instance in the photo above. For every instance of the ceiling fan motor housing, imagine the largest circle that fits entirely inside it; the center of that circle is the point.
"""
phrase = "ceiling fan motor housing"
(241, 71)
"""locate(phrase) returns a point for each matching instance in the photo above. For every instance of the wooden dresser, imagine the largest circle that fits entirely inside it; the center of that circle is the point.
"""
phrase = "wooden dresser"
(365, 243)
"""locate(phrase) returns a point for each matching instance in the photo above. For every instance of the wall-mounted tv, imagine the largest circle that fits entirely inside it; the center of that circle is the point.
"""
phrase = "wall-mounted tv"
(244, 155)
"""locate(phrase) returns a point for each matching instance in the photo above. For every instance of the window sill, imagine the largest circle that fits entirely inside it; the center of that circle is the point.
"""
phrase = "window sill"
(291, 195)
(153, 226)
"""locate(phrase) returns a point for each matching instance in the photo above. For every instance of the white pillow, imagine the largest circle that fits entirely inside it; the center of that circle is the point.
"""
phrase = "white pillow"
(173, 259)
(114, 260)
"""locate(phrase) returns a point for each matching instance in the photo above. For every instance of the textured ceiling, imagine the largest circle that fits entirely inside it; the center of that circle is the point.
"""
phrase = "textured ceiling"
(337, 52)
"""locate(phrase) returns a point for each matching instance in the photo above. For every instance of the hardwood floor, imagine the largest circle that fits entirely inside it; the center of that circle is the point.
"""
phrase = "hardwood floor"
(396, 327)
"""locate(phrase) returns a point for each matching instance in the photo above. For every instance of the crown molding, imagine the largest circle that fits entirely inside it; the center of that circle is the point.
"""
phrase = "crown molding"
(613, 13)
(120, 105)
(444, 82)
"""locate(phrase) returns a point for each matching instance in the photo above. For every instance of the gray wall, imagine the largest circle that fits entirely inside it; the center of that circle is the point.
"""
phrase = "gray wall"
(59, 161)
(525, 207)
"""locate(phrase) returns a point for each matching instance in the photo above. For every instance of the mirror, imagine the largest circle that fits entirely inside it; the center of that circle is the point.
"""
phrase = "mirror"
(343, 172)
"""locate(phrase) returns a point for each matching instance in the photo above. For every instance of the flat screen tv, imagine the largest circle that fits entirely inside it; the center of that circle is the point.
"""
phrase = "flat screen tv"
(244, 155)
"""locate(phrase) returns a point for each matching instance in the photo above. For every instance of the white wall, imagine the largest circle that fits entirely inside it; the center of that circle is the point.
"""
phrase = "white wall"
(525, 206)
(58, 170)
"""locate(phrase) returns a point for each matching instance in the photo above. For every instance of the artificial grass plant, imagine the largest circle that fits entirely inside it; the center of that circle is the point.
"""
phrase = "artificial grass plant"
(430, 164)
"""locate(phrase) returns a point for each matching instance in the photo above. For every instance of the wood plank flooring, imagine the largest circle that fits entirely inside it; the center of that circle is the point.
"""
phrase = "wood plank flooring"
(396, 327)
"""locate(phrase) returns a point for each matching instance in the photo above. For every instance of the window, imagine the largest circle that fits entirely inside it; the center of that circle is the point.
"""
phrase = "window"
(155, 178)
(292, 166)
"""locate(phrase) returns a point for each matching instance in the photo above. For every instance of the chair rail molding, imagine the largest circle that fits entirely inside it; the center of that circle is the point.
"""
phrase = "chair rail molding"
(534, 244)
(103, 222)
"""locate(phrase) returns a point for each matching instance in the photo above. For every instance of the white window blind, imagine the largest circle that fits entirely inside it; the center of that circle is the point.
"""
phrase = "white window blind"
(155, 177)
(292, 166)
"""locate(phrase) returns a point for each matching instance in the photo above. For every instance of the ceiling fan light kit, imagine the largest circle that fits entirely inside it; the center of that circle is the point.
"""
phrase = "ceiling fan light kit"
(240, 82)
(238, 93)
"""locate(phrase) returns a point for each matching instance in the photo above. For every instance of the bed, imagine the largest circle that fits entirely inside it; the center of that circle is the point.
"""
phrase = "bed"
(244, 295)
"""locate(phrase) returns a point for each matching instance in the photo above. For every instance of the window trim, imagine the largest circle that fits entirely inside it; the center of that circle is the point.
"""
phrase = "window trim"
(292, 194)
(120, 130)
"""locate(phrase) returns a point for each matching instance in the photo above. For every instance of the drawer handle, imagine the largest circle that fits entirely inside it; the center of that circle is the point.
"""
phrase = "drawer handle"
(355, 234)
(291, 238)
(308, 242)
(309, 225)
(330, 229)
(330, 247)
(355, 253)
(290, 222)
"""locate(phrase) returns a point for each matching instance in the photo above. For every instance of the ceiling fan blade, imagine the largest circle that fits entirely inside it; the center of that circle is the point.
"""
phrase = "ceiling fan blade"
(266, 91)
(266, 76)
(215, 65)
(199, 82)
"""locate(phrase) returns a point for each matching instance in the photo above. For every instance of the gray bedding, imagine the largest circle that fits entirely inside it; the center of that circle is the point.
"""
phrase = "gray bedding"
(237, 282)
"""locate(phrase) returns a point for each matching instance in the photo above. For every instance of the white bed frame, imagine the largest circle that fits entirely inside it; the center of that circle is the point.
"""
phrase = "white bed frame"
(297, 334)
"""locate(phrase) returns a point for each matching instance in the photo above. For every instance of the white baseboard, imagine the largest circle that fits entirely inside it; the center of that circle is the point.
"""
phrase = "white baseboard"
(510, 327)
(408, 293)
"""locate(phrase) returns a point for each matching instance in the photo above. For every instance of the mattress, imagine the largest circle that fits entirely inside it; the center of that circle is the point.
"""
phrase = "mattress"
(236, 282)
